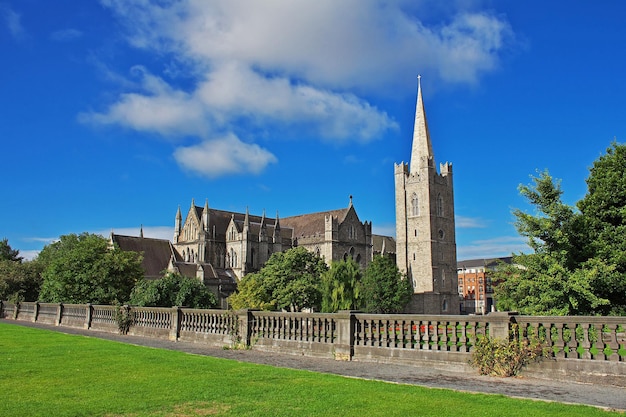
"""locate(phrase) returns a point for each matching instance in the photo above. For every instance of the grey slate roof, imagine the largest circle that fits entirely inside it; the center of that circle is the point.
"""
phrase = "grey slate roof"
(156, 252)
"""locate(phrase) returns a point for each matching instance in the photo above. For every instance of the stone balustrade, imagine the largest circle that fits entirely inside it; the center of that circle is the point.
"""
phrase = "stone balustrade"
(579, 346)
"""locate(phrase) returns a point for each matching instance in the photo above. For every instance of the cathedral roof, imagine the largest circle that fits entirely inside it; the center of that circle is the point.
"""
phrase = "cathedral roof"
(314, 223)
(156, 252)
(387, 242)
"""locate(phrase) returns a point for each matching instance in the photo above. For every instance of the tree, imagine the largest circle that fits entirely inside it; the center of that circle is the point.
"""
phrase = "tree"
(579, 261)
(7, 253)
(604, 212)
(288, 281)
(385, 289)
(85, 269)
(172, 290)
(19, 281)
(341, 287)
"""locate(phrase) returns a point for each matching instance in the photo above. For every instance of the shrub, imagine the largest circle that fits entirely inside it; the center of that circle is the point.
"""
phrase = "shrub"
(497, 357)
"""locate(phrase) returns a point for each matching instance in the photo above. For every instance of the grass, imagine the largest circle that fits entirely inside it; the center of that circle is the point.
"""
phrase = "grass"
(45, 373)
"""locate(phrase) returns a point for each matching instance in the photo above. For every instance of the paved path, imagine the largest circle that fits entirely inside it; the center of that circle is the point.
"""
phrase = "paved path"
(605, 396)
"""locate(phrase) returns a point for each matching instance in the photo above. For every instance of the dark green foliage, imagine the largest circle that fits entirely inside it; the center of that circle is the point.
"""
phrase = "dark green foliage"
(19, 281)
(288, 281)
(7, 253)
(384, 289)
(603, 210)
(498, 357)
(172, 290)
(85, 269)
(341, 287)
(579, 262)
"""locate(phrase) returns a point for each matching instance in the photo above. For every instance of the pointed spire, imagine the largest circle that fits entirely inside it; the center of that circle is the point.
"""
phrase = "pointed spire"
(178, 225)
(246, 220)
(205, 215)
(422, 148)
(276, 236)
(263, 219)
(277, 224)
(350, 205)
(141, 231)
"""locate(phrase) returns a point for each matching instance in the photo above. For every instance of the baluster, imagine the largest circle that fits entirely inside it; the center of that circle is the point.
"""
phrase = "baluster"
(560, 342)
(573, 342)
(446, 346)
(454, 336)
(613, 344)
(547, 330)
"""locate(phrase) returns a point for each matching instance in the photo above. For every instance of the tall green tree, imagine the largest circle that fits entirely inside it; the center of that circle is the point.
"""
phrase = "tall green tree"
(172, 290)
(289, 280)
(341, 287)
(603, 210)
(385, 289)
(85, 269)
(578, 264)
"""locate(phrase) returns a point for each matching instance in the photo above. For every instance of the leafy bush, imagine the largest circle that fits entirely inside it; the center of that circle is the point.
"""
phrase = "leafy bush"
(172, 290)
(497, 357)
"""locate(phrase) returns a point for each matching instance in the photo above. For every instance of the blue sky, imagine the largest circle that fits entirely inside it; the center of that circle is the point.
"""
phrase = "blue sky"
(114, 113)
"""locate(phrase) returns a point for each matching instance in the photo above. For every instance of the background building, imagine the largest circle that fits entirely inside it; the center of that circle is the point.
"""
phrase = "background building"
(476, 285)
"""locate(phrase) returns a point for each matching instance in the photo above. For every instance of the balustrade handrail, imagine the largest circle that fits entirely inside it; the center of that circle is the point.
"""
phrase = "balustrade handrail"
(568, 337)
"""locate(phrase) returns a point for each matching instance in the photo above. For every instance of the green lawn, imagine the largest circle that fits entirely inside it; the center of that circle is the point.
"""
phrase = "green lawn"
(45, 373)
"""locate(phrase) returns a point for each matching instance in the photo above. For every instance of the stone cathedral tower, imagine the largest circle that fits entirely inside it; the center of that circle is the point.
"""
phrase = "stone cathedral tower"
(425, 235)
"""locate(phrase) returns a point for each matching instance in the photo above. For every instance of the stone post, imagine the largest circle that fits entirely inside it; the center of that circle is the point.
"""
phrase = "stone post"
(175, 325)
(16, 309)
(87, 324)
(344, 345)
(500, 324)
(245, 321)
(57, 321)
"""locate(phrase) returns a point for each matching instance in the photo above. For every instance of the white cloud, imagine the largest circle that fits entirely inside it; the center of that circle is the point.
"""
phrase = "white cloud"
(227, 155)
(463, 222)
(289, 65)
(12, 20)
(492, 248)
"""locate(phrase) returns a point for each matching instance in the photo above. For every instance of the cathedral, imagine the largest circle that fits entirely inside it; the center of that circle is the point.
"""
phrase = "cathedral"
(219, 247)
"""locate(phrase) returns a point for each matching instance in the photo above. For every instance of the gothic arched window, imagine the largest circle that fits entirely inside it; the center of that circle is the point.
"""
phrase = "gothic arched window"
(415, 208)
(440, 205)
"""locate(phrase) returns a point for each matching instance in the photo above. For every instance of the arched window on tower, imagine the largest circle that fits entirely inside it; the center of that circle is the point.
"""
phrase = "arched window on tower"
(440, 205)
(415, 208)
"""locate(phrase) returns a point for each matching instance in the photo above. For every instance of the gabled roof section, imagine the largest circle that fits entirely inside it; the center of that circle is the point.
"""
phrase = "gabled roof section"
(422, 146)
(156, 252)
(314, 223)
(387, 243)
